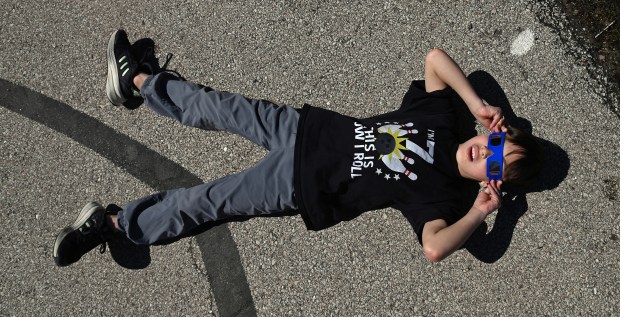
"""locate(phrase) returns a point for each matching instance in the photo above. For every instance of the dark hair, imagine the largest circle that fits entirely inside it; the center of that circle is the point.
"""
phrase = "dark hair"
(525, 169)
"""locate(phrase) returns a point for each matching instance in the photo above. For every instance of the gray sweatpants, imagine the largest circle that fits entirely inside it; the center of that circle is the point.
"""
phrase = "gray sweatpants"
(266, 188)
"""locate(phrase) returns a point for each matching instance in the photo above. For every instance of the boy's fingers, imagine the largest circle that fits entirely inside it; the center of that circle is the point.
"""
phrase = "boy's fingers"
(498, 118)
(499, 121)
(502, 120)
(494, 188)
(497, 185)
(496, 124)
(497, 192)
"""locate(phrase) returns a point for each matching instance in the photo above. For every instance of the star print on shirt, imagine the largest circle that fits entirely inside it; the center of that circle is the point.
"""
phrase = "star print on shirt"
(396, 177)
(387, 176)
(378, 171)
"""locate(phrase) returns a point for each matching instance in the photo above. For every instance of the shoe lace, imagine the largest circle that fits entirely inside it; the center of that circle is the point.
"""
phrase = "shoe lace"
(103, 237)
(168, 58)
(102, 246)
(149, 53)
(165, 69)
(88, 226)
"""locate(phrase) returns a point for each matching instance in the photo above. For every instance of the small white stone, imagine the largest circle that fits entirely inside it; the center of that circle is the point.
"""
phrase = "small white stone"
(523, 43)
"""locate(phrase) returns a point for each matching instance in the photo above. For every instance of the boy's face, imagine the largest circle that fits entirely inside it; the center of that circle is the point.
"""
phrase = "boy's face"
(472, 156)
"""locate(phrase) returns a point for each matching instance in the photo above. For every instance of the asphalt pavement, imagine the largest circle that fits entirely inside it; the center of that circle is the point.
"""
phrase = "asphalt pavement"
(552, 249)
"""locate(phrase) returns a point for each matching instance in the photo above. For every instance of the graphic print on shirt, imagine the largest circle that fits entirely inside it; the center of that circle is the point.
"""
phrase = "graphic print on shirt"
(392, 141)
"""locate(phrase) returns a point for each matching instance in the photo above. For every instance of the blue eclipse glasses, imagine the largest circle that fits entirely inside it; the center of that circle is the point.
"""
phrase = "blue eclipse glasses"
(495, 162)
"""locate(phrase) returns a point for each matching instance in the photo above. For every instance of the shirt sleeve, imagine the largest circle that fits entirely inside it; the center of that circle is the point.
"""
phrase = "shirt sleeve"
(417, 98)
(419, 216)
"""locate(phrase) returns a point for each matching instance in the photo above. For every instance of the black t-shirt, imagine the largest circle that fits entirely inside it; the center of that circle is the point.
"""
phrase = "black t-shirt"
(405, 159)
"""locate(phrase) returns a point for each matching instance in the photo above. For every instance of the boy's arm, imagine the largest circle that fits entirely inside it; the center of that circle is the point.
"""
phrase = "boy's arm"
(441, 71)
(440, 240)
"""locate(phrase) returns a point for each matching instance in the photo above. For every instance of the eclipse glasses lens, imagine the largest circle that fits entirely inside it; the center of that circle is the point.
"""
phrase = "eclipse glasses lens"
(496, 161)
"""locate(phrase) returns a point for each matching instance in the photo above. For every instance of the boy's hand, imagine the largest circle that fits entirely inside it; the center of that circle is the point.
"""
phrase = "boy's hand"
(489, 199)
(488, 116)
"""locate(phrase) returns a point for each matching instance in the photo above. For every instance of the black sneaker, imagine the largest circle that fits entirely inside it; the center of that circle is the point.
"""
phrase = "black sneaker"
(122, 67)
(143, 50)
(85, 234)
(148, 63)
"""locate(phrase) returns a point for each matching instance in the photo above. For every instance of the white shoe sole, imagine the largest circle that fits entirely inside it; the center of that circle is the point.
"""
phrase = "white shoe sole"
(112, 85)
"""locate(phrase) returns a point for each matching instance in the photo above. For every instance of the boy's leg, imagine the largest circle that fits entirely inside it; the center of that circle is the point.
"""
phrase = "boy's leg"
(260, 121)
(266, 188)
